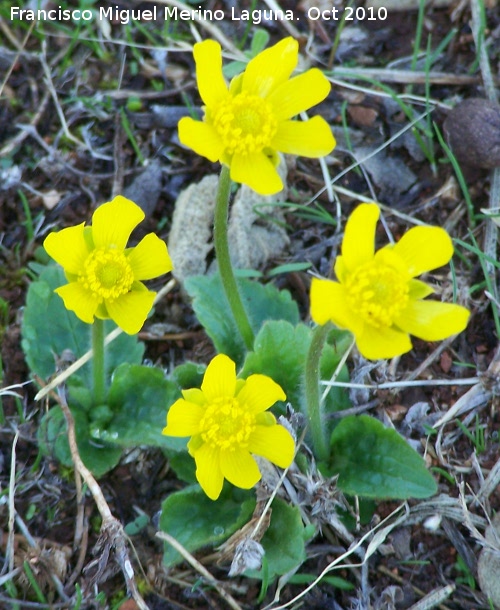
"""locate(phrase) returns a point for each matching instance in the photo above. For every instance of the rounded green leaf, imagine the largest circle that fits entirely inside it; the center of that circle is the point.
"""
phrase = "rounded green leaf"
(196, 521)
(49, 330)
(280, 351)
(139, 397)
(262, 302)
(376, 462)
(99, 457)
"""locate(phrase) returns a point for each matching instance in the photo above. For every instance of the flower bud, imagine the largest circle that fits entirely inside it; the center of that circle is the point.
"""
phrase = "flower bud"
(472, 130)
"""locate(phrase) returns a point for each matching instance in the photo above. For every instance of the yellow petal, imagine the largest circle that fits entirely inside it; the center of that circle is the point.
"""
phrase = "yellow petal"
(358, 245)
(424, 248)
(68, 248)
(219, 380)
(271, 67)
(194, 395)
(387, 257)
(194, 443)
(274, 443)
(201, 137)
(208, 470)
(236, 84)
(329, 304)
(256, 171)
(341, 271)
(299, 94)
(239, 468)
(211, 84)
(183, 419)
(433, 320)
(76, 298)
(130, 310)
(311, 138)
(113, 222)
(265, 418)
(419, 290)
(259, 393)
(376, 343)
(149, 258)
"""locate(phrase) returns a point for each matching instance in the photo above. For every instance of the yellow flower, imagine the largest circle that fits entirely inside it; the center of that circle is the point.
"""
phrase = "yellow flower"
(227, 421)
(246, 124)
(104, 276)
(376, 296)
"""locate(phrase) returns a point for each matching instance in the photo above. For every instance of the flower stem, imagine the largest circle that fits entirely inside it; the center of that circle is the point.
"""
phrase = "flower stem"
(98, 370)
(224, 261)
(317, 426)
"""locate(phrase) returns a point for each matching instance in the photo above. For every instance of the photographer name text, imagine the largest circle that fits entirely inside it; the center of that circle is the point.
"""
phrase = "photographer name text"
(125, 16)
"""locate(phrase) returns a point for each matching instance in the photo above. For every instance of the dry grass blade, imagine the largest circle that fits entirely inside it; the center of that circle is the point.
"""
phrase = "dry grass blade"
(207, 25)
(376, 536)
(274, 6)
(434, 598)
(20, 49)
(405, 76)
(490, 484)
(232, 603)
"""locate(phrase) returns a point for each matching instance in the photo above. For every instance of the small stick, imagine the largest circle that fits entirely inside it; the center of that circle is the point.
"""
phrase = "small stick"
(9, 554)
(111, 530)
(199, 568)
(55, 99)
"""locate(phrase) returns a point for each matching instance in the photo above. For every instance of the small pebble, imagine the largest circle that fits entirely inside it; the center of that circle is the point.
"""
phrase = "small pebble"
(472, 130)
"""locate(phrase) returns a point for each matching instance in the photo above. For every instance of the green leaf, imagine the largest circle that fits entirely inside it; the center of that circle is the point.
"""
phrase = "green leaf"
(280, 352)
(48, 329)
(182, 464)
(262, 302)
(188, 375)
(53, 441)
(284, 541)
(334, 581)
(139, 397)
(196, 521)
(288, 268)
(135, 414)
(259, 41)
(376, 462)
(233, 68)
(137, 525)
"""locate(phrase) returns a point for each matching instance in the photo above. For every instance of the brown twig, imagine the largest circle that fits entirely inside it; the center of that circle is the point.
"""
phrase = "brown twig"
(112, 536)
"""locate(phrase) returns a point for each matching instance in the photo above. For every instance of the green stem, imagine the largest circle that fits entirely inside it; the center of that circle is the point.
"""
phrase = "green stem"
(224, 260)
(98, 370)
(317, 426)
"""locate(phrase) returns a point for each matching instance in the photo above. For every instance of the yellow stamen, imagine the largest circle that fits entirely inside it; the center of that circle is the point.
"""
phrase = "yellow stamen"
(226, 424)
(245, 123)
(377, 293)
(107, 274)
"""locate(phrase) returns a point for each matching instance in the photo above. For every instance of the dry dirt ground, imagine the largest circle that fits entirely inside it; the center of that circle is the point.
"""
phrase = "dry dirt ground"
(84, 113)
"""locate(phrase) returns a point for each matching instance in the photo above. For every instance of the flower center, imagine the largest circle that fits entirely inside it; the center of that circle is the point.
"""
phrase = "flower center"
(245, 123)
(377, 293)
(226, 424)
(107, 274)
